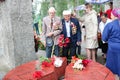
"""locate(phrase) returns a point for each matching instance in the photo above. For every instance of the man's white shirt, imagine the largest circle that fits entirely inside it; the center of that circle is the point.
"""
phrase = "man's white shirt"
(102, 25)
(68, 28)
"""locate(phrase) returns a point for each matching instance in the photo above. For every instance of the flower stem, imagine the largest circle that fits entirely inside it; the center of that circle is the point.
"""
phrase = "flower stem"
(52, 50)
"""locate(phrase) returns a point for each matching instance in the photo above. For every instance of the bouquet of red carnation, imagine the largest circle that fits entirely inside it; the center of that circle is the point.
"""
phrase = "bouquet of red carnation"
(63, 41)
(78, 63)
(46, 62)
(37, 74)
(85, 62)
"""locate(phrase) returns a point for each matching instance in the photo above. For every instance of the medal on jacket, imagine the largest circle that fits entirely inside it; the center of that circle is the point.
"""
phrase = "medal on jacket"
(74, 28)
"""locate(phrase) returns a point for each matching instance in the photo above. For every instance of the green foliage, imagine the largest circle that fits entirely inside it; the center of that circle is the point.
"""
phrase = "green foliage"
(41, 59)
(81, 57)
(40, 46)
(82, 1)
(44, 8)
(60, 5)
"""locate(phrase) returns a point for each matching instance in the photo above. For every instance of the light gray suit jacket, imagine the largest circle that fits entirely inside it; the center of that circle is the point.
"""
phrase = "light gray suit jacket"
(46, 28)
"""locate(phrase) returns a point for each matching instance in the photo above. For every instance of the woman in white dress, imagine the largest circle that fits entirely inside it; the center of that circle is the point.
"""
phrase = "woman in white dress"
(91, 28)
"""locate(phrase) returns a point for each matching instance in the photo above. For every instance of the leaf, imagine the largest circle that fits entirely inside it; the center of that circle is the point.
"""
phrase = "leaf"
(40, 45)
(81, 57)
(41, 59)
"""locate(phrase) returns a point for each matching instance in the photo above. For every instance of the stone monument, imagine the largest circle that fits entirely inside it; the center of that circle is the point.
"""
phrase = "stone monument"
(16, 33)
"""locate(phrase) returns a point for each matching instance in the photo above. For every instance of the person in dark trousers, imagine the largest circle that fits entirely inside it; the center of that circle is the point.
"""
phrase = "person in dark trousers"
(50, 33)
(78, 48)
(104, 21)
(71, 30)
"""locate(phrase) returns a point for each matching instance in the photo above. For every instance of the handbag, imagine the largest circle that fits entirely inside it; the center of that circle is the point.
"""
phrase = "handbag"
(49, 41)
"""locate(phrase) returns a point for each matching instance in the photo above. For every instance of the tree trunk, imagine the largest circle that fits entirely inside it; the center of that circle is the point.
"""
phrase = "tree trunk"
(51, 3)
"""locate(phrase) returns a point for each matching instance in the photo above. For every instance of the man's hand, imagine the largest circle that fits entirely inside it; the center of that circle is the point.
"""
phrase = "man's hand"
(56, 27)
(78, 43)
(50, 34)
(44, 43)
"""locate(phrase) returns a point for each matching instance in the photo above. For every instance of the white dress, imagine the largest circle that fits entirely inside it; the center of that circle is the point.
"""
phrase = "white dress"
(91, 28)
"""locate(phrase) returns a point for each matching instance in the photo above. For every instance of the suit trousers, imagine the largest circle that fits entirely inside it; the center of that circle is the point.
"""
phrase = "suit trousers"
(71, 48)
(49, 51)
(78, 50)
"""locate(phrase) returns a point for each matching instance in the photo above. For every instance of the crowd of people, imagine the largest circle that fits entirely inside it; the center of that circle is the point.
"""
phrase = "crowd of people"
(70, 29)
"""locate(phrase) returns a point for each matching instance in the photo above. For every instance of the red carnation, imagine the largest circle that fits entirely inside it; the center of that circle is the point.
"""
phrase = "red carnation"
(65, 44)
(37, 74)
(63, 41)
(60, 45)
(74, 58)
(85, 62)
(67, 40)
(60, 40)
(46, 63)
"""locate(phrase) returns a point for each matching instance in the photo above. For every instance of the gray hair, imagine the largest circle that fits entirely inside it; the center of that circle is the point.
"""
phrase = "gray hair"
(51, 9)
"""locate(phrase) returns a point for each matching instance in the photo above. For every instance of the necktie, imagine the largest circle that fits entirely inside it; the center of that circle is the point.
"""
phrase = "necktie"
(51, 23)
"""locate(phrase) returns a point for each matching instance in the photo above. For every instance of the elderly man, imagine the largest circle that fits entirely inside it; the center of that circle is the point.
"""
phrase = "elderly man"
(51, 32)
(71, 30)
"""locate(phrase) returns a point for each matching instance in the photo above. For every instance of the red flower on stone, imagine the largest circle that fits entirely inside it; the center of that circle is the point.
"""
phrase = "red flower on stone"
(37, 74)
(46, 64)
(74, 58)
(85, 62)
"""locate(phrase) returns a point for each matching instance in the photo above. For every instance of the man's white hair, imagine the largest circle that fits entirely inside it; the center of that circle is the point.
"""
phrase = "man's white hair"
(51, 9)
